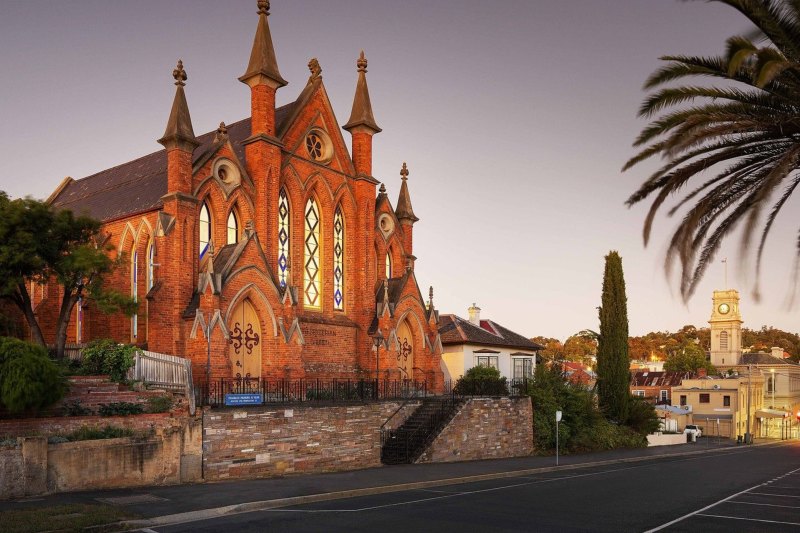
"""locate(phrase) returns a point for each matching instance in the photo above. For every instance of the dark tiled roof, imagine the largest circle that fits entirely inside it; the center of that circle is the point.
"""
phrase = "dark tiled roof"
(456, 330)
(645, 378)
(137, 186)
(761, 358)
(222, 257)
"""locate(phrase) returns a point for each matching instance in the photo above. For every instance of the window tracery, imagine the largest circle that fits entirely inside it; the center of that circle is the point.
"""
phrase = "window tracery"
(311, 266)
(283, 237)
(338, 260)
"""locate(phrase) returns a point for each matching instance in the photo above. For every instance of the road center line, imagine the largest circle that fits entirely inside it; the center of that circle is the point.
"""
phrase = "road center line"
(684, 517)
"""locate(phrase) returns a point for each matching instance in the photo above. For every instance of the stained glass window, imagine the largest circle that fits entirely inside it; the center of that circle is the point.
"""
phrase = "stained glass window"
(283, 237)
(314, 146)
(151, 265)
(135, 293)
(311, 266)
(205, 229)
(338, 259)
(233, 228)
(388, 265)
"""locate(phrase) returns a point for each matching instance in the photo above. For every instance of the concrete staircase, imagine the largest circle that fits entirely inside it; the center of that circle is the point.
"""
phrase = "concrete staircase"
(405, 444)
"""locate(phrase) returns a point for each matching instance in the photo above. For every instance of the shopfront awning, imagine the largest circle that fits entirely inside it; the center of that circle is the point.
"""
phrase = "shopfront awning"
(771, 413)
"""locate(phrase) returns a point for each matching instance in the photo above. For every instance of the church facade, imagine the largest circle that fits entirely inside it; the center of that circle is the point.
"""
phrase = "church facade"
(270, 227)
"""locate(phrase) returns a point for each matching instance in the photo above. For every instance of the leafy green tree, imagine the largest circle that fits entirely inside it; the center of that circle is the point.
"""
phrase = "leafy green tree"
(553, 349)
(734, 146)
(689, 358)
(40, 243)
(29, 379)
(613, 376)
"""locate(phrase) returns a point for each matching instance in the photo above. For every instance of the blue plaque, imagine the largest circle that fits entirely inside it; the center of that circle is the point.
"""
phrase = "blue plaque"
(244, 399)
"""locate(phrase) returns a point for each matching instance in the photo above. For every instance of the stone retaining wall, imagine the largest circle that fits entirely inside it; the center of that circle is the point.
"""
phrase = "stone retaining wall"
(60, 425)
(485, 428)
(274, 441)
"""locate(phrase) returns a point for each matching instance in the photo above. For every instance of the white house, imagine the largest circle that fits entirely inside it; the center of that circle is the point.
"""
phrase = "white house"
(476, 342)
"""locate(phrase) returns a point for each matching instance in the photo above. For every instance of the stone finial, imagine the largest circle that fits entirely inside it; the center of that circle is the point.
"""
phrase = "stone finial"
(404, 172)
(382, 189)
(222, 133)
(385, 292)
(404, 210)
(179, 74)
(249, 226)
(315, 68)
(361, 63)
(430, 293)
(263, 7)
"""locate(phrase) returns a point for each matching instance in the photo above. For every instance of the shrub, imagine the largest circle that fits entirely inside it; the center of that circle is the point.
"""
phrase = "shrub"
(482, 380)
(75, 408)
(642, 416)
(93, 433)
(120, 409)
(104, 356)
(159, 404)
(28, 378)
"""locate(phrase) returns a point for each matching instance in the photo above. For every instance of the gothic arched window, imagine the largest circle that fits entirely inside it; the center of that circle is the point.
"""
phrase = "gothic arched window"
(205, 229)
(79, 320)
(283, 237)
(151, 265)
(311, 264)
(338, 259)
(135, 292)
(388, 265)
(233, 228)
(723, 340)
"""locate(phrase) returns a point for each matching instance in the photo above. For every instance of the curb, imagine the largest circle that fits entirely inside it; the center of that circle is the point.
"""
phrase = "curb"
(264, 505)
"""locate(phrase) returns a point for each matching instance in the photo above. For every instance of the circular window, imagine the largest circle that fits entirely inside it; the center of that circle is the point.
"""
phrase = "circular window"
(227, 171)
(318, 146)
(386, 224)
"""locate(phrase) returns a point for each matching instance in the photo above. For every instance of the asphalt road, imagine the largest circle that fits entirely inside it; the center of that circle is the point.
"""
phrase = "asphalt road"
(742, 489)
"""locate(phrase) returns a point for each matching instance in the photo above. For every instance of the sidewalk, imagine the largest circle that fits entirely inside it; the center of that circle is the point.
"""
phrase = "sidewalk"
(209, 499)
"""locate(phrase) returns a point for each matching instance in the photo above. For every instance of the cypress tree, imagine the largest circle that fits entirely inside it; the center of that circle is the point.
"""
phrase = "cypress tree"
(613, 374)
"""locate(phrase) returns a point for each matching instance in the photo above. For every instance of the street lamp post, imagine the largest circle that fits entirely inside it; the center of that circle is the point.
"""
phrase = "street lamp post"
(378, 340)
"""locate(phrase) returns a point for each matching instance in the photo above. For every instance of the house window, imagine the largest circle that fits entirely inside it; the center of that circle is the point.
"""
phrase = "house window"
(204, 229)
(683, 400)
(233, 228)
(338, 260)
(705, 398)
(523, 367)
(388, 265)
(311, 267)
(664, 396)
(488, 361)
(726, 401)
(770, 383)
(638, 393)
(723, 340)
(283, 237)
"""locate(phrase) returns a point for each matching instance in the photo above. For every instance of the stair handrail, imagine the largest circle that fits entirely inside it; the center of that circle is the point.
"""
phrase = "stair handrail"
(405, 402)
(446, 407)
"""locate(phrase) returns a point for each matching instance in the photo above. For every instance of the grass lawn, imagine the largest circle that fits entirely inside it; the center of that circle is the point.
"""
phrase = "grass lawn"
(60, 518)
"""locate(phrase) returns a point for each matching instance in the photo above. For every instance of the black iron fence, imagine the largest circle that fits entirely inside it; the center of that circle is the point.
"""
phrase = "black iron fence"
(253, 391)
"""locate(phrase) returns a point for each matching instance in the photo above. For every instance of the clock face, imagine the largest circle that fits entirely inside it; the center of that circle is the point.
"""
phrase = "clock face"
(724, 308)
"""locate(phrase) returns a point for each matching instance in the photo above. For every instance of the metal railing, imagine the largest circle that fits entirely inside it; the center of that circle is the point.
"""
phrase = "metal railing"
(164, 370)
(290, 391)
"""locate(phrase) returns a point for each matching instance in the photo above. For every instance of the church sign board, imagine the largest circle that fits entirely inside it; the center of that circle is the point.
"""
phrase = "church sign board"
(244, 399)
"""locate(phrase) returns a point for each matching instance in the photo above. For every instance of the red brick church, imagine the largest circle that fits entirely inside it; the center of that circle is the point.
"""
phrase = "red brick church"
(271, 226)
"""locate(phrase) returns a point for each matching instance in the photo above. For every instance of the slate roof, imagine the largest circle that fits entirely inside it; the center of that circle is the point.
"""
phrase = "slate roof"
(456, 330)
(762, 358)
(646, 378)
(137, 186)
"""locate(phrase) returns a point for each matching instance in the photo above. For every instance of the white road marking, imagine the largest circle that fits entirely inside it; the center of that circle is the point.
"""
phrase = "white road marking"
(738, 502)
(778, 495)
(699, 511)
(749, 519)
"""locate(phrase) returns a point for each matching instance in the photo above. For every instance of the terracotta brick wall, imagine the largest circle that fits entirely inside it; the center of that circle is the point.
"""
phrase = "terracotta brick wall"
(485, 428)
(269, 441)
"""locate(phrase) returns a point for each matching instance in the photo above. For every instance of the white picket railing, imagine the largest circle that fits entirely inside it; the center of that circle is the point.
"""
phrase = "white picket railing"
(164, 370)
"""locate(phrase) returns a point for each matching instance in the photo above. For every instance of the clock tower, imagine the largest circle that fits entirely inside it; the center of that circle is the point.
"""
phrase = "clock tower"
(726, 329)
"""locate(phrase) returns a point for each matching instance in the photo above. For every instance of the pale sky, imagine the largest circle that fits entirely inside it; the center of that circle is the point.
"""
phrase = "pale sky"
(515, 117)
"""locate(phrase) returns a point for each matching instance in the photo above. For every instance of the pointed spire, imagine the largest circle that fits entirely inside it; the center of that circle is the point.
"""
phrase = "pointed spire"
(362, 107)
(404, 210)
(179, 132)
(262, 57)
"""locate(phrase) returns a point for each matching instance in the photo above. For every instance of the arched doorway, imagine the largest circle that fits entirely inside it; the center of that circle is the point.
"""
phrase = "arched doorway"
(244, 347)
(405, 355)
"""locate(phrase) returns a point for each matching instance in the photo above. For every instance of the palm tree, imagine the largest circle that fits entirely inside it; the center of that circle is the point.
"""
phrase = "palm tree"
(737, 141)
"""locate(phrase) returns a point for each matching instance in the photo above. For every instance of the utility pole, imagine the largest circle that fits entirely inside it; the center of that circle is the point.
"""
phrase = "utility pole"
(749, 393)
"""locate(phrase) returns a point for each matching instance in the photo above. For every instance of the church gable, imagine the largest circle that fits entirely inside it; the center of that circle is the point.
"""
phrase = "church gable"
(313, 134)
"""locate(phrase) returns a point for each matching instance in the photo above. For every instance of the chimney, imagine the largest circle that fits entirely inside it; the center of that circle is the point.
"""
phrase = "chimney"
(475, 314)
(777, 351)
